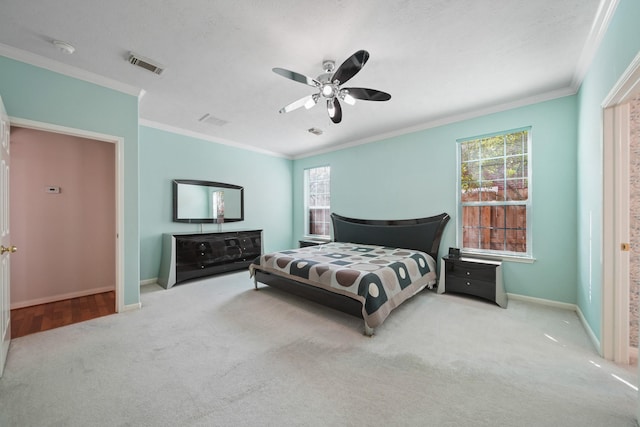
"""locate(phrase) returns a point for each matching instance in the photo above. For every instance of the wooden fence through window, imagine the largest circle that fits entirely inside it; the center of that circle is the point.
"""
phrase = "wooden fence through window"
(319, 219)
(494, 227)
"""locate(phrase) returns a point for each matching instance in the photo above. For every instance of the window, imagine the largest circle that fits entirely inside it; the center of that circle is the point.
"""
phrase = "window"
(317, 200)
(494, 196)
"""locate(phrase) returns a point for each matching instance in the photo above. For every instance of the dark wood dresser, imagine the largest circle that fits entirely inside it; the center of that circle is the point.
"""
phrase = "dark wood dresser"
(192, 256)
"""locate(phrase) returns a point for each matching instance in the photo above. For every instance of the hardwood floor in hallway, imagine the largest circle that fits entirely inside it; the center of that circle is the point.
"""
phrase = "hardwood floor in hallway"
(37, 318)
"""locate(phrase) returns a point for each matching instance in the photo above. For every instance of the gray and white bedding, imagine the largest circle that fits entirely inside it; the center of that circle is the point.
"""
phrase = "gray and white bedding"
(380, 277)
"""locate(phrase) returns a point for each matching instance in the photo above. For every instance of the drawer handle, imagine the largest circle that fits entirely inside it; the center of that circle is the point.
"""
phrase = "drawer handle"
(468, 283)
(468, 273)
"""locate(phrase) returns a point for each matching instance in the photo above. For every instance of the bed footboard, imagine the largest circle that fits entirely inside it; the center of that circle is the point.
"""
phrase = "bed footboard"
(317, 295)
(320, 296)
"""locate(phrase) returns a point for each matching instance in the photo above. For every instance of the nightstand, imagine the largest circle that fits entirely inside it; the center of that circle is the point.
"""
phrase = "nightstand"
(311, 242)
(473, 276)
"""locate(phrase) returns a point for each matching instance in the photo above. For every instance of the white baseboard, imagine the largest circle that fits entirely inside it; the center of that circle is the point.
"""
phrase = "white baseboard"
(547, 302)
(152, 281)
(594, 339)
(132, 307)
(565, 306)
(60, 297)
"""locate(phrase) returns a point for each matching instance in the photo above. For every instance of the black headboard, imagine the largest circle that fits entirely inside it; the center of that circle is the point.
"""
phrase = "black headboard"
(422, 234)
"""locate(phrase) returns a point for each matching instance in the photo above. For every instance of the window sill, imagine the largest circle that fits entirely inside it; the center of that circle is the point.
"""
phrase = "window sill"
(509, 258)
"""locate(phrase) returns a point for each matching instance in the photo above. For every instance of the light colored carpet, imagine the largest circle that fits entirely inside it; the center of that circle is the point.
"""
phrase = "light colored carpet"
(216, 352)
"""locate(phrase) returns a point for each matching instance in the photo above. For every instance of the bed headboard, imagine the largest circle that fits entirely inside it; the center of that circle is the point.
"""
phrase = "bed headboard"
(422, 234)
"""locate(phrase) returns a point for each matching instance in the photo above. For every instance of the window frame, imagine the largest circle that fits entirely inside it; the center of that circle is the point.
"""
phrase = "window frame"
(528, 204)
(307, 207)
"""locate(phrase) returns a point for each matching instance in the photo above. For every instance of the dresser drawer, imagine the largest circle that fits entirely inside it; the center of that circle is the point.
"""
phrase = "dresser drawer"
(474, 287)
(471, 270)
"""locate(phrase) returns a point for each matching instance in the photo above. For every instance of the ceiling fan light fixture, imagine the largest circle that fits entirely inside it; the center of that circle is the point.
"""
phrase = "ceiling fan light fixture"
(331, 109)
(311, 102)
(328, 91)
(344, 95)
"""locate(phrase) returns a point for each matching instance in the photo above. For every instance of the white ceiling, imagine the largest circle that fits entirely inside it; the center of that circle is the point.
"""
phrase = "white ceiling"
(439, 59)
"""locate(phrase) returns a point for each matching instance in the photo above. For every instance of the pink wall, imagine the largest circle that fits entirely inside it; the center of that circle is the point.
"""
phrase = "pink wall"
(66, 241)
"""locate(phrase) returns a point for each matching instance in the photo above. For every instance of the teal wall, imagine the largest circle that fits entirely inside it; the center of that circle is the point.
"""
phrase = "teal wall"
(405, 176)
(37, 94)
(414, 175)
(617, 50)
(165, 156)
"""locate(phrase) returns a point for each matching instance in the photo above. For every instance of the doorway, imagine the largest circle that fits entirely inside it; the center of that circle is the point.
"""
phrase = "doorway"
(70, 233)
(620, 287)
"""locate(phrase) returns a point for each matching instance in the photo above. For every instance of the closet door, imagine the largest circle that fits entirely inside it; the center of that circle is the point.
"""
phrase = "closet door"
(5, 243)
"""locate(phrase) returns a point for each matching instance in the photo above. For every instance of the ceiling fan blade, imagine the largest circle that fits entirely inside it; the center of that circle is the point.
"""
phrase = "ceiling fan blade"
(297, 77)
(335, 110)
(351, 66)
(309, 100)
(367, 94)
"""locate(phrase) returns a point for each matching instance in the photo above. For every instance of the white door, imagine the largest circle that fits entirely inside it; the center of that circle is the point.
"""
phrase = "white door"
(5, 244)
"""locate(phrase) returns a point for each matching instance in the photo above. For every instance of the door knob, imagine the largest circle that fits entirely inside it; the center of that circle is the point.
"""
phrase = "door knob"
(10, 249)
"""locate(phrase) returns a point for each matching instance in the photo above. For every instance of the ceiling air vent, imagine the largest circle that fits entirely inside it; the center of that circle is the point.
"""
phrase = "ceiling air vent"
(145, 63)
(208, 118)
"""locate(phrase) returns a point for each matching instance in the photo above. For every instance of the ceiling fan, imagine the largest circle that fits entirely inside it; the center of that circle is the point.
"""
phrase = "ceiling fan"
(329, 85)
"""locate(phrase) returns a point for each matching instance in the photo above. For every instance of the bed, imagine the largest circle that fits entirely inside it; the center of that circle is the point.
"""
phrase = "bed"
(370, 268)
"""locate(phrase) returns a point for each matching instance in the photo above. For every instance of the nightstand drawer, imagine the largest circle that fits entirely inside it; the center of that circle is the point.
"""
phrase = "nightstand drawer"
(473, 271)
(477, 288)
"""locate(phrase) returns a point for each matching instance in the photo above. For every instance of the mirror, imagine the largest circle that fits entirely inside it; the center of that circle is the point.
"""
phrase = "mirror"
(207, 202)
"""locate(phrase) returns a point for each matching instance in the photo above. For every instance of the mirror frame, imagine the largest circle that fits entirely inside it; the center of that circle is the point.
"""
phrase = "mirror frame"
(206, 184)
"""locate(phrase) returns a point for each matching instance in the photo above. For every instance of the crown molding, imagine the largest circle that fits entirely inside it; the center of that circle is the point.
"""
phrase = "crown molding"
(67, 70)
(209, 138)
(627, 87)
(547, 96)
(599, 28)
